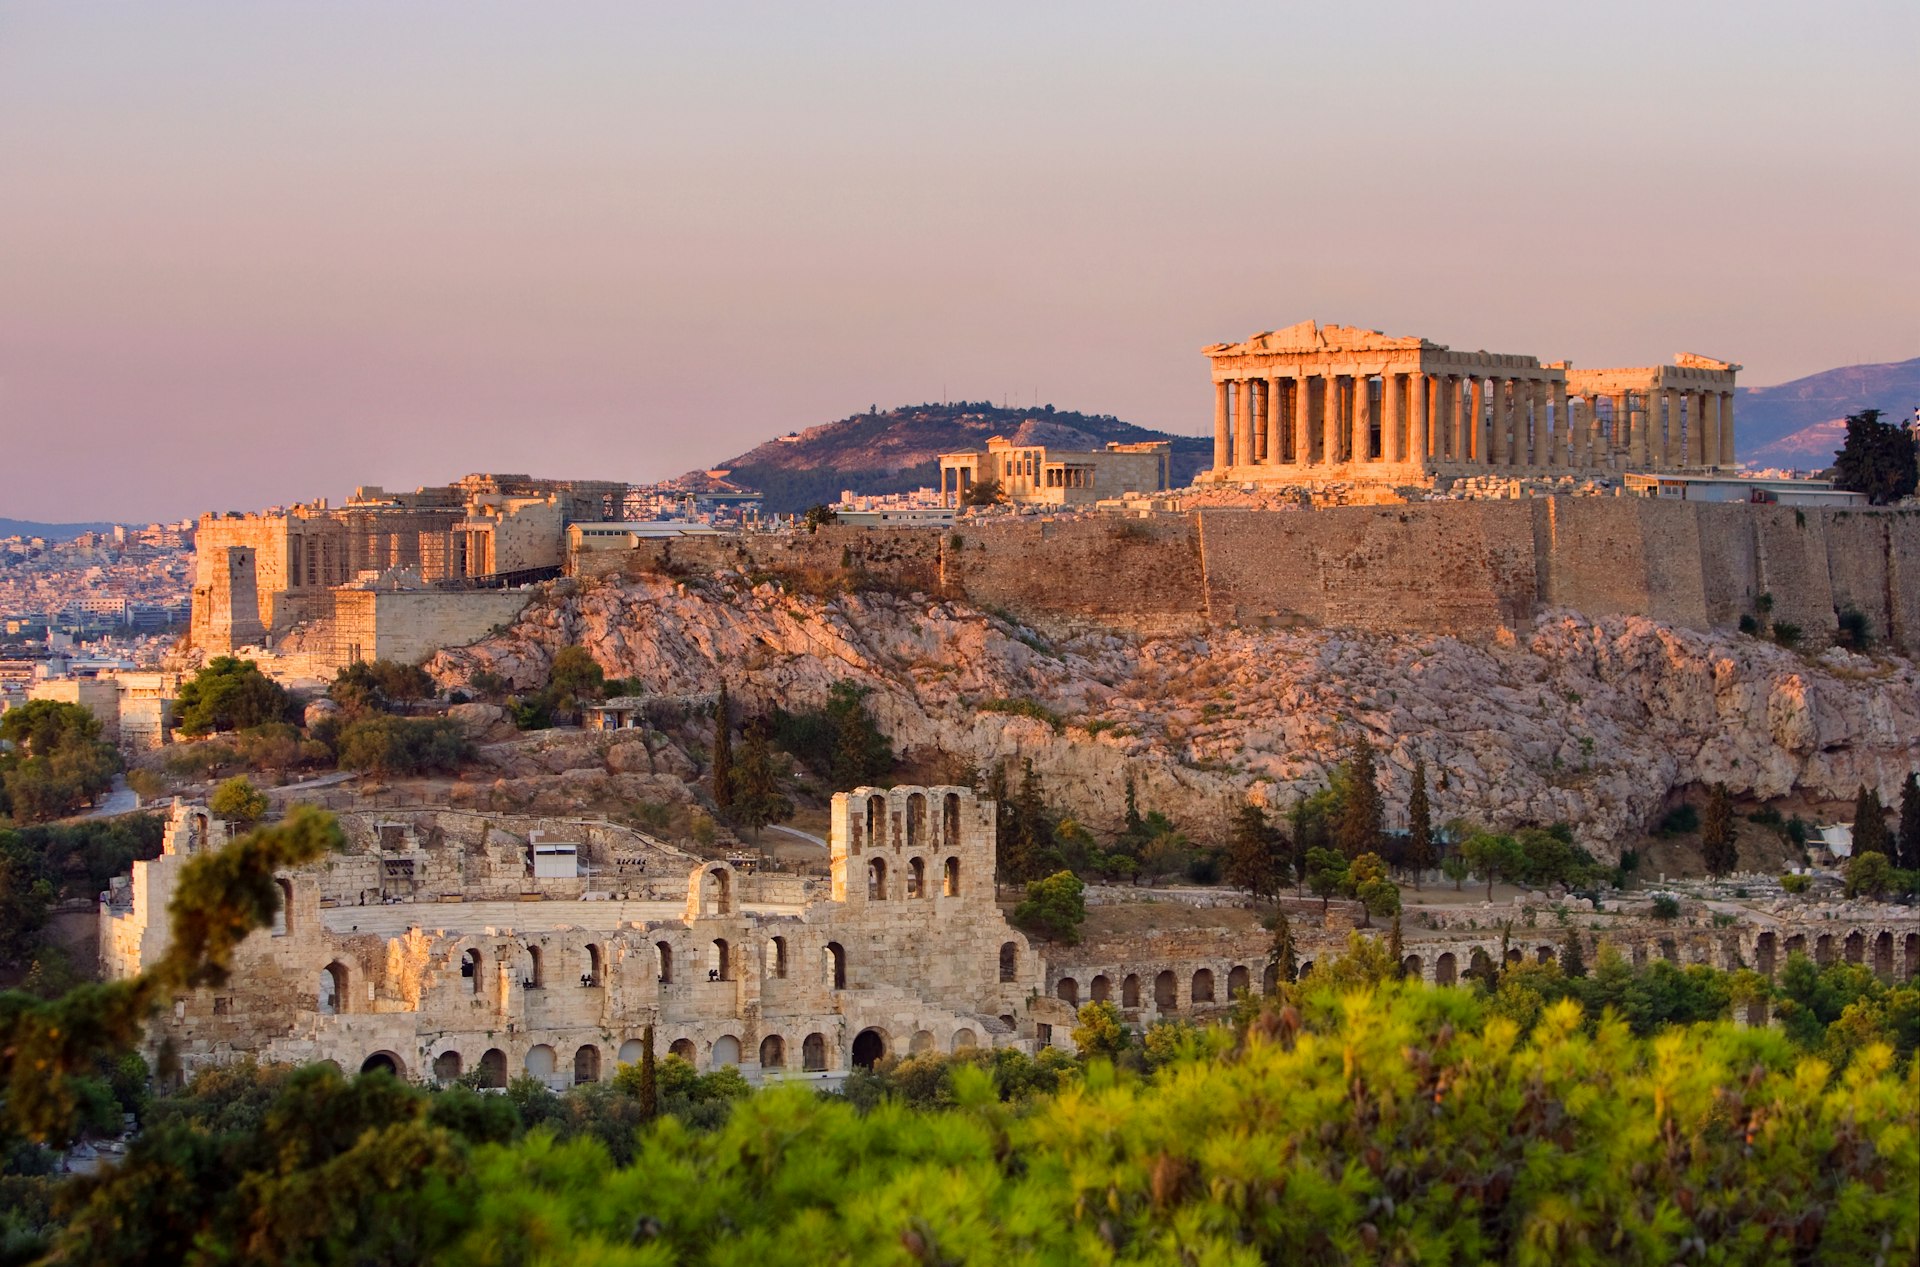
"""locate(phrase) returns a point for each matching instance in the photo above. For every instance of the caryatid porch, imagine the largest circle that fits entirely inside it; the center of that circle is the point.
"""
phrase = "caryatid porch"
(1316, 403)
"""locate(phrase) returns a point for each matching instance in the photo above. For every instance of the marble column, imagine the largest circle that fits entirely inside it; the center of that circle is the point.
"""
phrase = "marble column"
(1257, 437)
(1393, 448)
(1537, 405)
(1220, 425)
(1726, 430)
(1710, 433)
(1497, 447)
(1242, 422)
(1302, 414)
(1563, 445)
(1456, 421)
(1477, 407)
(1417, 419)
(1675, 454)
(1276, 421)
(1363, 416)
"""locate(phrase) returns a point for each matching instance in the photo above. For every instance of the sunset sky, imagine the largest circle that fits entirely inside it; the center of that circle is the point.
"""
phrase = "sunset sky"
(254, 252)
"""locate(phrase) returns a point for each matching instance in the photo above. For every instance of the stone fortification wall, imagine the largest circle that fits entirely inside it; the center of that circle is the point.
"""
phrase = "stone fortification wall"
(1441, 567)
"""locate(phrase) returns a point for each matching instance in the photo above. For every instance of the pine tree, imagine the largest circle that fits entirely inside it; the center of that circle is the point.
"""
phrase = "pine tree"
(1419, 823)
(1718, 846)
(1572, 962)
(1869, 824)
(1909, 840)
(1254, 853)
(759, 795)
(722, 771)
(1022, 854)
(649, 1078)
(1362, 817)
(1284, 956)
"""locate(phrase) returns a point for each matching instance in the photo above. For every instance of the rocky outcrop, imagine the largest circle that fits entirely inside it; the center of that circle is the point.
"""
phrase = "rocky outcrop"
(1593, 722)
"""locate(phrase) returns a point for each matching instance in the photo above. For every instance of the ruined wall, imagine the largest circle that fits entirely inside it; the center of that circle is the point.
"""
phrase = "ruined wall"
(1144, 574)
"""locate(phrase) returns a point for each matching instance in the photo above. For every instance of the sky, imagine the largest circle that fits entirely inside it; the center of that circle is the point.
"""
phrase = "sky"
(252, 253)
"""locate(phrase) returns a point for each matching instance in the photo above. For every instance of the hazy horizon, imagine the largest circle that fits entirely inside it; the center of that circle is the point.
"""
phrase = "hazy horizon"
(254, 254)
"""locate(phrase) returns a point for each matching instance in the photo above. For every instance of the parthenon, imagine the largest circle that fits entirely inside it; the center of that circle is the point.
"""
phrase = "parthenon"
(1323, 403)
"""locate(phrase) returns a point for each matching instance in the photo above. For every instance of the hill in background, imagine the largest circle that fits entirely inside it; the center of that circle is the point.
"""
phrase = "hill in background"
(1801, 423)
(52, 532)
(899, 450)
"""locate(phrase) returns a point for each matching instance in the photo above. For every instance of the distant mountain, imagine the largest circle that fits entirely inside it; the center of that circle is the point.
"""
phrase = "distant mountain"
(1801, 423)
(899, 450)
(52, 532)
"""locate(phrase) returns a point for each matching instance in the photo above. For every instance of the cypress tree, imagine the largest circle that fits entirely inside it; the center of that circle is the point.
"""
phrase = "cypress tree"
(1572, 962)
(1361, 815)
(759, 795)
(1869, 824)
(1909, 841)
(1136, 828)
(1397, 948)
(1419, 823)
(1283, 956)
(722, 772)
(1718, 847)
(649, 1078)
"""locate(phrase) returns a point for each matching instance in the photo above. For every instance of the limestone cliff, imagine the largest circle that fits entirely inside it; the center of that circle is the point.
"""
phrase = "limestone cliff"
(1588, 721)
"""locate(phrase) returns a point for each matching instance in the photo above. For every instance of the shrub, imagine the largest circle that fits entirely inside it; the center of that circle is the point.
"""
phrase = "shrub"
(1023, 708)
(1786, 634)
(1680, 820)
(397, 746)
(1795, 883)
(1666, 906)
(1855, 633)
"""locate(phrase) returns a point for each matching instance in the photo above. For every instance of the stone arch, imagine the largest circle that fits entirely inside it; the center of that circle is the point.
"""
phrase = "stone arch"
(1764, 952)
(1166, 994)
(1823, 949)
(950, 819)
(541, 1061)
(773, 1052)
(917, 877)
(1639, 954)
(1270, 979)
(1480, 964)
(1305, 968)
(586, 1064)
(1912, 954)
(1446, 969)
(1130, 990)
(876, 879)
(869, 1047)
(726, 1052)
(1856, 947)
(1515, 954)
(1883, 954)
(876, 821)
(922, 1042)
(1203, 985)
(283, 912)
(663, 962)
(716, 891)
(777, 958)
(1669, 950)
(473, 970)
(1067, 991)
(1239, 981)
(813, 1053)
(446, 1067)
(632, 1052)
(836, 965)
(1412, 969)
(683, 1048)
(950, 878)
(720, 965)
(1543, 954)
(334, 996)
(493, 1069)
(596, 974)
(916, 820)
(384, 1060)
(532, 969)
(1100, 989)
(964, 1038)
(1009, 961)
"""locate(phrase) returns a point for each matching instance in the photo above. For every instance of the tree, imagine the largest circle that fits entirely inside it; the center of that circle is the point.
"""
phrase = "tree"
(839, 740)
(1284, 955)
(818, 516)
(649, 1078)
(1419, 823)
(1054, 907)
(1396, 944)
(231, 694)
(1101, 1034)
(1717, 844)
(1456, 868)
(24, 902)
(1026, 830)
(575, 678)
(985, 492)
(1870, 823)
(361, 687)
(58, 762)
(1256, 854)
(1362, 819)
(759, 784)
(1134, 829)
(1492, 857)
(721, 771)
(1868, 873)
(1573, 963)
(1907, 843)
(1326, 875)
(1367, 881)
(1877, 459)
(400, 747)
(238, 801)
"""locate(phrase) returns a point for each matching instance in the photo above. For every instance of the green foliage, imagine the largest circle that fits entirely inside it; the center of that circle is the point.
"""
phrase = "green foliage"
(1907, 839)
(1419, 823)
(403, 747)
(237, 800)
(574, 678)
(1493, 857)
(1026, 828)
(1101, 1034)
(720, 769)
(1054, 907)
(840, 741)
(57, 763)
(1870, 833)
(381, 686)
(1877, 458)
(1361, 822)
(1666, 906)
(1368, 882)
(1794, 883)
(1786, 633)
(1456, 868)
(986, 492)
(1853, 630)
(1717, 843)
(231, 694)
(1257, 854)
(1680, 820)
(818, 515)
(1868, 873)
(1023, 708)
(1326, 874)
(759, 783)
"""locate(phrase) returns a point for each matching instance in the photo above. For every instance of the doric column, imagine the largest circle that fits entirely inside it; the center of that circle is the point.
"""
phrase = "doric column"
(1637, 430)
(1417, 420)
(1242, 422)
(1456, 434)
(1675, 455)
(1563, 445)
(1220, 425)
(1477, 408)
(1392, 446)
(1726, 429)
(1302, 414)
(1276, 420)
(1363, 416)
(1710, 433)
(1501, 453)
(1257, 437)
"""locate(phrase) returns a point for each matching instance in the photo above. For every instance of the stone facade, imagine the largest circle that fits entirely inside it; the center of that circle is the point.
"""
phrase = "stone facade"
(431, 947)
(1035, 475)
(1317, 404)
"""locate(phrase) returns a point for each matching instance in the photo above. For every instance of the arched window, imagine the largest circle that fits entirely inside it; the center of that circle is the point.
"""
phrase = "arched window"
(540, 1061)
(530, 970)
(446, 1066)
(493, 1069)
(720, 967)
(877, 880)
(1239, 981)
(1411, 967)
(632, 1051)
(964, 1038)
(664, 953)
(1856, 947)
(716, 892)
(777, 958)
(950, 819)
(951, 878)
(916, 877)
(813, 1053)
(384, 1061)
(1100, 989)
(726, 1052)
(916, 820)
(869, 1048)
(586, 1065)
(470, 970)
(773, 1052)
(1764, 950)
(596, 968)
(683, 1048)
(921, 1043)
(283, 913)
(1446, 969)
(333, 989)
(1203, 986)
(1166, 995)
(1068, 991)
(877, 821)
(1009, 961)
(1130, 990)
(836, 966)
(1270, 979)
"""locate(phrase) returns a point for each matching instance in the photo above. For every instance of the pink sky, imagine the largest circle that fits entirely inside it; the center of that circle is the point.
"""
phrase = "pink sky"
(257, 252)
